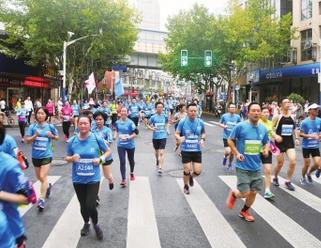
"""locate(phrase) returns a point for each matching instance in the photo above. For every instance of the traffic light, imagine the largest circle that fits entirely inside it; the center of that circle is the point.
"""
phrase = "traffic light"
(208, 58)
(184, 58)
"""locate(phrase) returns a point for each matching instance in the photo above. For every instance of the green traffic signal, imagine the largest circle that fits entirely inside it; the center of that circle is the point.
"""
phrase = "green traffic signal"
(184, 58)
(208, 58)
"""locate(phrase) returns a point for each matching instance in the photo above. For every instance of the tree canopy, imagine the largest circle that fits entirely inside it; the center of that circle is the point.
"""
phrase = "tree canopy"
(36, 30)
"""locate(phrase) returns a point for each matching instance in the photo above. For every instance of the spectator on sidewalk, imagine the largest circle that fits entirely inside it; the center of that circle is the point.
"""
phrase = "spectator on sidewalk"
(29, 107)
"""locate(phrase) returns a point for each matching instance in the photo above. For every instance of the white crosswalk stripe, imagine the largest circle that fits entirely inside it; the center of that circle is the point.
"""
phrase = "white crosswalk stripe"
(211, 220)
(23, 209)
(208, 124)
(278, 220)
(142, 223)
(142, 227)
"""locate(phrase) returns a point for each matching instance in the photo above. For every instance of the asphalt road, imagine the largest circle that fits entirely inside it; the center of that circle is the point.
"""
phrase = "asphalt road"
(154, 212)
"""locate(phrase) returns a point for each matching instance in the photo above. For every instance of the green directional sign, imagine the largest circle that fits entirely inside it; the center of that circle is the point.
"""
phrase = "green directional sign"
(208, 58)
(184, 57)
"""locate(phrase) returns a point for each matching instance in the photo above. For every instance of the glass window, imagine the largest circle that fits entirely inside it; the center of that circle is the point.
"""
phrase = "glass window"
(306, 45)
(320, 8)
(306, 9)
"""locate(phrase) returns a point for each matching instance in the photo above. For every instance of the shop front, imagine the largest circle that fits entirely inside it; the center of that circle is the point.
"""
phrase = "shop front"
(278, 83)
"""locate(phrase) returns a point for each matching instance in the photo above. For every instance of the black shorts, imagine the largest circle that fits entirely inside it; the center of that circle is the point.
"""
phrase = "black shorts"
(285, 145)
(314, 152)
(109, 162)
(225, 143)
(188, 157)
(159, 144)
(268, 159)
(38, 162)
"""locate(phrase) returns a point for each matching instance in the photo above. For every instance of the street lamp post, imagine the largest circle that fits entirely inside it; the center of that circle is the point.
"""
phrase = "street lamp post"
(319, 74)
(66, 44)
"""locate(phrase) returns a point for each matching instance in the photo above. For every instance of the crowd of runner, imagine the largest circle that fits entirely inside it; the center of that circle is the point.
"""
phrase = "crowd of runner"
(251, 139)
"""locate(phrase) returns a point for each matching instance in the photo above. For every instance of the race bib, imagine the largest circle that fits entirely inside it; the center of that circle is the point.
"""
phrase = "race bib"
(252, 147)
(123, 136)
(66, 117)
(230, 125)
(192, 144)
(85, 167)
(286, 130)
(159, 127)
(40, 143)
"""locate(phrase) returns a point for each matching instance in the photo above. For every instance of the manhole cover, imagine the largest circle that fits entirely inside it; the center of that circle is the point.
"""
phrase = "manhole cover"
(58, 162)
(175, 173)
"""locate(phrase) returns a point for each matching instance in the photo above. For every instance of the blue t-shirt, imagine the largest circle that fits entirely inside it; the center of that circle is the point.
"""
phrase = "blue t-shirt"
(249, 141)
(85, 171)
(159, 122)
(149, 110)
(75, 109)
(42, 145)
(7, 240)
(22, 114)
(12, 180)
(125, 129)
(192, 131)
(230, 121)
(9, 146)
(134, 110)
(309, 126)
(106, 134)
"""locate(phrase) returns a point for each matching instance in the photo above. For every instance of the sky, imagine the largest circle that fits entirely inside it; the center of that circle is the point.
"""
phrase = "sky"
(172, 7)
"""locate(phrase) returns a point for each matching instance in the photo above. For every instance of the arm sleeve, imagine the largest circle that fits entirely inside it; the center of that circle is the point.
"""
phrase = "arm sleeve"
(102, 144)
(222, 119)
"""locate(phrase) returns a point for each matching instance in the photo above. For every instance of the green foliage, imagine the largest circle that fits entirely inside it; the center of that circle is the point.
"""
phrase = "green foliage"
(296, 98)
(37, 28)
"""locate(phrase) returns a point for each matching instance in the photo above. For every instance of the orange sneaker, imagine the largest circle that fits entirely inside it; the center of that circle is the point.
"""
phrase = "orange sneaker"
(230, 200)
(247, 216)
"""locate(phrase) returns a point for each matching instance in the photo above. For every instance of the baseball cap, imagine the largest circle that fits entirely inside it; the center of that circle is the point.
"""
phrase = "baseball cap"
(313, 106)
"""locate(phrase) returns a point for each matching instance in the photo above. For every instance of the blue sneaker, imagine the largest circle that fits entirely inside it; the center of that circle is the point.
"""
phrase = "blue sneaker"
(289, 186)
(224, 161)
(41, 204)
(48, 193)
(303, 181)
(229, 167)
(309, 179)
(317, 173)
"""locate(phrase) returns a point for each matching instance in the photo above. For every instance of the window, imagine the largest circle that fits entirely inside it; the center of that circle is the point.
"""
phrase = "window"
(306, 9)
(320, 8)
(306, 45)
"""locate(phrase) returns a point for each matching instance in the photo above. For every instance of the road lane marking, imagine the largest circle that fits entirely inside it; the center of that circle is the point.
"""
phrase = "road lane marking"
(302, 195)
(210, 218)
(23, 209)
(142, 228)
(208, 124)
(291, 231)
(66, 232)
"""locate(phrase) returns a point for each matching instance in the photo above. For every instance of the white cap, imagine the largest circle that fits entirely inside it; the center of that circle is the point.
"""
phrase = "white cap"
(313, 106)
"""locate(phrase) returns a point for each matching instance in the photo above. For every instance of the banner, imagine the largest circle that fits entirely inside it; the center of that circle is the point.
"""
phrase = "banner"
(90, 84)
(119, 88)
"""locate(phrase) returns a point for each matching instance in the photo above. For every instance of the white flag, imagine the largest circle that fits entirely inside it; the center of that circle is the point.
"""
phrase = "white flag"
(90, 83)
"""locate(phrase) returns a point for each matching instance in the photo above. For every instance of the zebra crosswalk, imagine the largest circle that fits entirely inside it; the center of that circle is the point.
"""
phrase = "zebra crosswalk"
(143, 221)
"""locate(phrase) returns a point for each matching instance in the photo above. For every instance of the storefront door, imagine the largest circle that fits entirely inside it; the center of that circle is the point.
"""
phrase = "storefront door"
(13, 94)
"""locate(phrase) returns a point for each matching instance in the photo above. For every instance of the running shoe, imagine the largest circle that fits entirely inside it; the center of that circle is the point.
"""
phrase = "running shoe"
(289, 186)
(186, 189)
(160, 171)
(303, 181)
(318, 173)
(99, 232)
(48, 193)
(230, 202)
(111, 186)
(191, 180)
(275, 182)
(41, 204)
(66, 139)
(85, 230)
(123, 183)
(229, 167)
(224, 161)
(268, 195)
(22, 140)
(246, 216)
(132, 177)
(310, 180)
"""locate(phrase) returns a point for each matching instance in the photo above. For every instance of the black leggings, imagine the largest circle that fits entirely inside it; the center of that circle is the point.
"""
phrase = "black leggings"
(87, 195)
(22, 126)
(135, 120)
(65, 127)
(122, 159)
(113, 119)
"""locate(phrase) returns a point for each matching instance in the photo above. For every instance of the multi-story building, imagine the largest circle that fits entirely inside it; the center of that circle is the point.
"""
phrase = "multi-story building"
(300, 73)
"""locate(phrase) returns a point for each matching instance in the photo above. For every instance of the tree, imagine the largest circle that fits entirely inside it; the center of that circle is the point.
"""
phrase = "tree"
(190, 30)
(36, 30)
